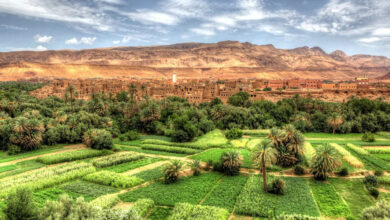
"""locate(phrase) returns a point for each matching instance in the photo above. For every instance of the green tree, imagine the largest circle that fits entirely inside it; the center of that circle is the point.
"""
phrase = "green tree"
(231, 162)
(20, 205)
(239, 99)
(27, 133)
(70, 90)
(171, 172)
(264, 155)
(334, 121)
(325, 161)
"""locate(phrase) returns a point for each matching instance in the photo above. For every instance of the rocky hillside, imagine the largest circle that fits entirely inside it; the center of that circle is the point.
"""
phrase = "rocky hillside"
(227, 59)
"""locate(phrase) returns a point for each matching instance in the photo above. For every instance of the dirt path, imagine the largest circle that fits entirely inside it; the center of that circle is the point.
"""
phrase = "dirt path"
(66, 149)
(384, 190)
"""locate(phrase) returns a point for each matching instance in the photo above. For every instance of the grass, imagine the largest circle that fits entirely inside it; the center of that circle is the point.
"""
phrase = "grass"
(257, 132)
(115, 159)
(8, 168)
(239, 143)
(132, 165)
(152, 174)
(22, 167)
(160, 213)
(328, 200)
(184, 211)
(44, 150)
(140, 150)
(71, 156)
(297, 199)
(378, 150)
(215, 155)
(138, 142)
(88, 189)
(356, 136)
(187, 189)
(109, 178)
(170, 149)
(308, 153)
(346, 141)
(369, 159)
(224, 195)
(385, 157)
(354, 194)
(347, 156)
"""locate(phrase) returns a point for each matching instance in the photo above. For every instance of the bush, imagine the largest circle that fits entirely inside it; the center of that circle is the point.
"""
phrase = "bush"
(343, 172)
(13, 149)
(370, 180)
(98, 139)
(379, 172)
(231, 162)
(20, 205)
(381, 210)
(171, 172)
(195, 167)
(299, 170)
(373, 191)
(368, 137)
(233, 133)
(129, 136)
(277, 187)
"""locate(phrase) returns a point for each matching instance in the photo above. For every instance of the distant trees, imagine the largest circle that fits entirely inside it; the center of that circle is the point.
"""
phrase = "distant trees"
(239, 99)
(98, 139)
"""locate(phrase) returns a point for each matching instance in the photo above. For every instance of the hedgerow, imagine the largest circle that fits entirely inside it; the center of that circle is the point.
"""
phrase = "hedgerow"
(113, 179)
(171, 149)
(51, 176)
(184, 211)
(116, 159)
(71, 156)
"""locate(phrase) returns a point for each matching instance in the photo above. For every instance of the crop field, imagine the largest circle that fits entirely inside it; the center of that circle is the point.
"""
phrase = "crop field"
(132, 175)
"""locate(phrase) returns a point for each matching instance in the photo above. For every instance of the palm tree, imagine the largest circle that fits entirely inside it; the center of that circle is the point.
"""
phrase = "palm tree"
(334, 120)
(171, 173)
(132, 92)
(71, 91)
(264, 154)
(231, 162)
(195, 167)
(325, 161)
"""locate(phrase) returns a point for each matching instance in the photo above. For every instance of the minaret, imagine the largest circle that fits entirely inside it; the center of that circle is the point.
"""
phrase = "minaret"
(174, 78)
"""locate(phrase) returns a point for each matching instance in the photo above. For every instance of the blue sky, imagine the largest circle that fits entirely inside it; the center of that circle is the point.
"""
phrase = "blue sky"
(354, 26)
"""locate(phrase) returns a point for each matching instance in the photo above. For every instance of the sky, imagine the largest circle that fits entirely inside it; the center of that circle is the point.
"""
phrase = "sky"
(354, 26)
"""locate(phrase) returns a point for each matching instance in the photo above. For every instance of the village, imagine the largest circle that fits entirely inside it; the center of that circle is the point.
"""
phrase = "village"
(204, 90)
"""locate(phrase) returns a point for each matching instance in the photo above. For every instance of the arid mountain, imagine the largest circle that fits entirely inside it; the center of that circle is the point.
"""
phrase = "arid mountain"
(228, 59)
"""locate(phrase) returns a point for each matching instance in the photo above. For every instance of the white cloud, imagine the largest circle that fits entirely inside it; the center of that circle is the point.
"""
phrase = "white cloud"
(383, 32)
(116, 42)
(42, 39)
(83, 40)
(153, 17)
(203, 31)
(13, 27)
(369, 39)
(38, 48)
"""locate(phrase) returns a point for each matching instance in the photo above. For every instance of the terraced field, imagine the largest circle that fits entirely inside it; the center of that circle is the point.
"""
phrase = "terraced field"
(132, 177)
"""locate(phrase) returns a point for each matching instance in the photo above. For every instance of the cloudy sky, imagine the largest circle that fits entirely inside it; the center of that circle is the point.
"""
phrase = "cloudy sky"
(354, 26)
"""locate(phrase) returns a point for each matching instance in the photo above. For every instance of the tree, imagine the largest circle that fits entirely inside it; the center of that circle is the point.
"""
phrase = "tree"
(20, 205)
(325, 161)
(239, 99)
(27, 133)
(98, 139)
(132, 92)
(195, 167)
(334, 120)
(231, 162)
(263, 155)
(71, 93)
(171, 172)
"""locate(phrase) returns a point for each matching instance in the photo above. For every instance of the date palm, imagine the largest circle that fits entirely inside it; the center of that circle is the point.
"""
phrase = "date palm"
(334, 120)
(264, 155)
(231, 162)
(325, 161)
(171, 172)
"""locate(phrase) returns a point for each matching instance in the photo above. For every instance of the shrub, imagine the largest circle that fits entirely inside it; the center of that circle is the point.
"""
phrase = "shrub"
(299, 170)
(71, 156)
(195, 167)
(233, 133)
(296, 217)
(106, 201)
(379, 172)
(142, 206)
(381, 210)
(370, 180)
(217, 166)
(116, 159)
(368, 137)
(129, 136)
(20, 205)
(277, 187)
(373, 191)
(13, 149)
(171, 172)
(109, 178)
(231, 162)
(343, 172)
(98, 139)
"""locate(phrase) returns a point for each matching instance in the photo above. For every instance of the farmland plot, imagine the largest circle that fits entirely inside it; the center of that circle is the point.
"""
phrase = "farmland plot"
(184, 211)
(132, 165)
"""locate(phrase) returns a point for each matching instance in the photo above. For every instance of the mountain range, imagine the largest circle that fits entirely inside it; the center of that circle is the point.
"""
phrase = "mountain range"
(223, 60)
